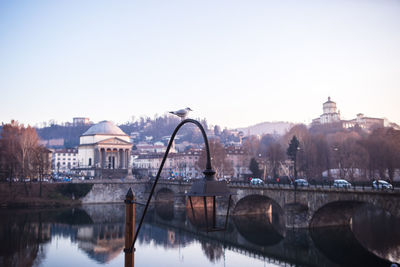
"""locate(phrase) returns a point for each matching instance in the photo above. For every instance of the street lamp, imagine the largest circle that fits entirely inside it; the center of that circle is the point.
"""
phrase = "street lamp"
(336, 149)
(202, 196)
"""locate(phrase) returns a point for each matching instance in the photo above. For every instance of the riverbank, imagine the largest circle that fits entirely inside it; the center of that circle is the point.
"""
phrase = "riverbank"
(25, 195)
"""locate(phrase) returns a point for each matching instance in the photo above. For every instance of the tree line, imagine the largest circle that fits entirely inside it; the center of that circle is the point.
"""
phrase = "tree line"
(21, 155)
(308, 153)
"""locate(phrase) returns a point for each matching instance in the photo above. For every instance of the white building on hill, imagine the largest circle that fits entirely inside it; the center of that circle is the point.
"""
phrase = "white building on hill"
(331, 116)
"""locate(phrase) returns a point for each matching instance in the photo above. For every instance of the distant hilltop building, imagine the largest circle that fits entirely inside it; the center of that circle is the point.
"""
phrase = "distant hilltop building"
(79, 121)
(331, 116)
(104, 151)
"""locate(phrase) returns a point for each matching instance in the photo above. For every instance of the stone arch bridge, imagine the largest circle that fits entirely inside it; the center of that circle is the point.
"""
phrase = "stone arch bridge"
(298, 208)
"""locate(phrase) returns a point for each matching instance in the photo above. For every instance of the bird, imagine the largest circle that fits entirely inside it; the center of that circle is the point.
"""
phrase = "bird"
(182, 113)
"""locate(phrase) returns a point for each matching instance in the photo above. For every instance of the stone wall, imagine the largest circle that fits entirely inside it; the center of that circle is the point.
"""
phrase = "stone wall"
(297, 208)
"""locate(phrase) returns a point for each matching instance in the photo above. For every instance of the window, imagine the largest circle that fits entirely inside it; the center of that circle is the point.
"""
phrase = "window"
(90, 161)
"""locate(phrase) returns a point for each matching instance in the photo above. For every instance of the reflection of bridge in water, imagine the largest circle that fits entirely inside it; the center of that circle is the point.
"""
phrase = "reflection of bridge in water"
(99, 232)
(294, 248)
(256, 238)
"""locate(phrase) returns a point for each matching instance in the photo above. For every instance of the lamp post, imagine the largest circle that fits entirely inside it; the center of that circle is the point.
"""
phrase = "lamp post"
(203, 193)
(336, 149)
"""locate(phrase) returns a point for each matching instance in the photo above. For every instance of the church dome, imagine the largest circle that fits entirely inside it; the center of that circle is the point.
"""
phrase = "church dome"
(104, 127)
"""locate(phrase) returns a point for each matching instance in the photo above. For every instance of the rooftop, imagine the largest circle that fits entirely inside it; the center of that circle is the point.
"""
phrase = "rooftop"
(104, 127)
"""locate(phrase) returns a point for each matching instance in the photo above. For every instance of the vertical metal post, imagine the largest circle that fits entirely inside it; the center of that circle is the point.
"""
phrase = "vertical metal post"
(191, 206)
(205, 211)
(214, 214)
(129, 227)
(227, 212)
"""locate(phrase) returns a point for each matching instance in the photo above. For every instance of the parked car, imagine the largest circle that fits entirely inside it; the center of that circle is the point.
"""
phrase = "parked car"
(381, 184)
(227, 180)
(300, 182)
(341, 183)
(256, 181)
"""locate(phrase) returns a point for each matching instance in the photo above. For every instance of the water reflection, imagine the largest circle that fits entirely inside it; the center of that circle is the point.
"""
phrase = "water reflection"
(258, 229)
(27, 238)
(386, 242)
(20, 238)
(212, 251)
(340, 246)
(101, 242)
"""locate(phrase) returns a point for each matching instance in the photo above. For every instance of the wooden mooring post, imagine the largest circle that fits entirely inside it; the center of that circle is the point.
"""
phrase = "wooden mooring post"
(129, 228)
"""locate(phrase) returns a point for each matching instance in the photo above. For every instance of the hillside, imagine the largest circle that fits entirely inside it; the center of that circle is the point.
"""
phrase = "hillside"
(279, 128)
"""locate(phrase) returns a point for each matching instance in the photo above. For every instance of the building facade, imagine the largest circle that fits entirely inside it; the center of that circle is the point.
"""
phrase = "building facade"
(177, 165)
(240, 161)
(64, 160)
(184, 164)
(331, 116)
(104, 151)
(79, 121)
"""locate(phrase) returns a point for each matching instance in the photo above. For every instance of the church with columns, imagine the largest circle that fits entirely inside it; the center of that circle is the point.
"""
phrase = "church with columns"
(104, 152)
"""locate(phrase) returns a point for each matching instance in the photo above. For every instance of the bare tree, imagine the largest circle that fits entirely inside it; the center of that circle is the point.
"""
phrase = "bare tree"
(275, 155)
(251, 146)
(42, 163)
(9, 150)
(218, 159)
(18, 151)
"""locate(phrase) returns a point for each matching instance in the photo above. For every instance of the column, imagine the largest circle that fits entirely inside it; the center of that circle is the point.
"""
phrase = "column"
(127, 158)
(103, 158)
(122, 159)
(96, 157)
(115, 159)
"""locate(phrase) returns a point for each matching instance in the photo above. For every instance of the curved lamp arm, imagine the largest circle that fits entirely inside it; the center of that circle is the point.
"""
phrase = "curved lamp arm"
(208, 172)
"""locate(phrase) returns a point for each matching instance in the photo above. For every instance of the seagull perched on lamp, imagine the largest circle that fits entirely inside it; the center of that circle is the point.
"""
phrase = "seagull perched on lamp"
(182, 113)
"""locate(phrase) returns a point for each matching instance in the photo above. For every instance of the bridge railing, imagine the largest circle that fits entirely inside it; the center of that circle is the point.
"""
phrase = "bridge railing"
(323, 186)
(360, 187)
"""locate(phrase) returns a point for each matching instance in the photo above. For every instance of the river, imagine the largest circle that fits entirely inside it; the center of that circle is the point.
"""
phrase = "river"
(93, 235)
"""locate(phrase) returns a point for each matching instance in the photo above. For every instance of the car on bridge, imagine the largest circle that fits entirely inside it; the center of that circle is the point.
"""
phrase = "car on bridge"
(341, 183)
(300, 182)
(256, 181)
(381, 184)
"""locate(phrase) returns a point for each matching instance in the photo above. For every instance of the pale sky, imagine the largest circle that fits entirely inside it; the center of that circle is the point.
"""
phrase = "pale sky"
(235, 63)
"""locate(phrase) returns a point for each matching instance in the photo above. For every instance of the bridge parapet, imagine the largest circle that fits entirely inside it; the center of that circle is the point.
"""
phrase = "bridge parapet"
(298, 205)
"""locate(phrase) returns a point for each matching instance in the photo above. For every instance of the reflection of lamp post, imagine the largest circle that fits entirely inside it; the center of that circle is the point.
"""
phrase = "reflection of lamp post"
(207, 189)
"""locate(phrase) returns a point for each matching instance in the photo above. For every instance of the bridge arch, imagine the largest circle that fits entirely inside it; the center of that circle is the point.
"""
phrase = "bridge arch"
(164, 204)
(259, 219)
(165, 195)
(256, 204)
(335, 213)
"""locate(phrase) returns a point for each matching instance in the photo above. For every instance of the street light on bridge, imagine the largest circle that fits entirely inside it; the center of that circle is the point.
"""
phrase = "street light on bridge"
(203, 195)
